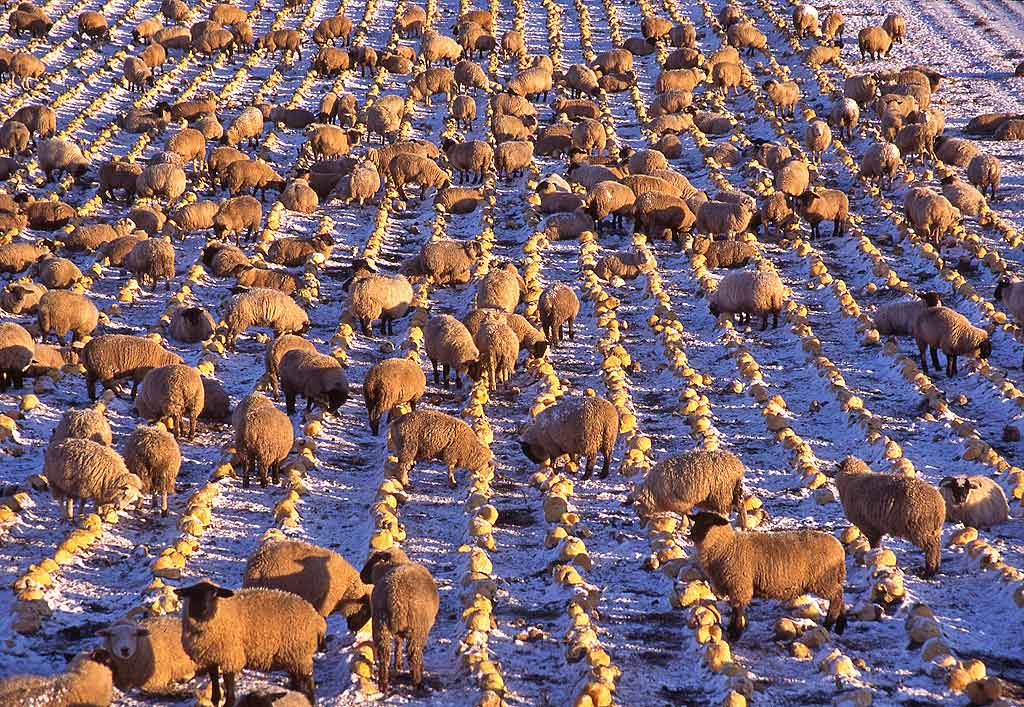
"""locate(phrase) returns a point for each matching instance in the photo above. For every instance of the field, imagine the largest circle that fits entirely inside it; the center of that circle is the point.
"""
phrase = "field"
(552, 591)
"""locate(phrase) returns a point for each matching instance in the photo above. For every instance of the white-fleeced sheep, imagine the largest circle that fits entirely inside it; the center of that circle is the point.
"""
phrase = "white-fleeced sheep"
(577, 427)
(82, 470)
(975, 501)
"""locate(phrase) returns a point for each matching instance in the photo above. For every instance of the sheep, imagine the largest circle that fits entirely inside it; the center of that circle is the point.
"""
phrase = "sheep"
(893, 504)
(41, 121)
(575, 427)
(780, 564)
(463, 111)
(433, 82)
(721, 218)
(819, 55)
(930, 213)
(248, 126)
(502, 288)
(532, 82)
(745, 35)
(881, 162)
(148, 655)
(975, 501)
(56, 273)
(198, 216)
(333, 28)
(943, 328)
(319, 378)
(286, 41)
(984, 171)
(299, 197)
(365, 58)
(723, 254)
(964, 197)
(897, 318)
(47, 215)
(263, 437)
(177, 37)
(513, 45)
(674, 101)
(646, 161)
(896, 27)
(252, 277)
(152, 259)
(22, 297)
(988, 123)
(263, 307)
(845, 115)
(80, 469)
(422, 435)
(146, 29)
(57, 156)
(658, 212)
(361, 185)
(112, 356)
(627, 266)
(610, 198)
(874, 42)
(783, 95)
(373, 297)
(560, 202)
(118, 249)
(191, 325)
(224, 259)
(115, 175)
(749, 293)
(276, 349)
(447, 262)
(88, 682)
(155, 56)
(817, 205)
(407, 168)
(85, 423)
(390, 383)
(152, 454)
(225, 631)
(775, 211)
(329, 141)
(580, 79)
(16, 351)
(498, 346)
(450, 345)
(383, 122)
(435, 47)
(218, 162)
(454, 200)
(62, 312)
(14, 137)
(558, 305)
(475, 156)
(320, 576)
(161, 181)
(175, 392)
(137, 74)
(530, 338)
(560, 227)
(330, 61)
(817, 138)
(334, 107)
(469, 75)
(955, 151)
(404, 605)
(237, 214)
(805, 21)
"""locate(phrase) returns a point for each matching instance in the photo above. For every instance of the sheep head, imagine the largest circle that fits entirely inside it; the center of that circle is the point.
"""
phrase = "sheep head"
(378, 564)
(959, 488)
(122, 638)
(202, 599)
(703, 523)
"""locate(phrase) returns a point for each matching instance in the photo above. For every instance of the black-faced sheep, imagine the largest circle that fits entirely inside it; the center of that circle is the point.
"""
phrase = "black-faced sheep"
(390, 383)
(319, 378)
(943, 328)
(975, 501)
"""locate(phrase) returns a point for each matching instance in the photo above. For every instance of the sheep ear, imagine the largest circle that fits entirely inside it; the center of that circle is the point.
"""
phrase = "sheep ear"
(947, 482)
(224, 593)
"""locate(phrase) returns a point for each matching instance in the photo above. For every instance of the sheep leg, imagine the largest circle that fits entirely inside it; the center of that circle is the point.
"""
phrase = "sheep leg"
(951, 365)
(935, 357)
(135, 388)
(924, 364)
(437, 376)
(275, 472)
(289, 401)
(451, 476)
(382, 645)
(90, 384)
(873, 536)
(214, 673)
(737, 621)
(932, 557)
(229, 688)
(606, 467)
(263, 474)
(416, 661)
(399, 654)
(572, 330)
(163, 504)
(69, 508)
(836, 612)
(764, 321)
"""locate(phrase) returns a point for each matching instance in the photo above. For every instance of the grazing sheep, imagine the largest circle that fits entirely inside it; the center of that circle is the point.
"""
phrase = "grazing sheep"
(80, 469)
(898, 318)
(153, 259)
(16, 351)
(818, 55)
(372, 297)
(404, 605)
(137, 74)
(955, 151)
(498, 345)
(975, 501)
(58, 156)
(16, 257)
(558, 305)
(893, 504)
(330, 141)
(455, 200)
(176, 392)
(749, 293)
(118, 249)
(262, 307)
(503, 288)
(896, 27)
(656, 212)
(84, 423)
(627, 266)
(712, 480)
(874, 43)
(198, 216)
(248, 126)
(390, 383)
(361, 185)
(408, 168)
(930, 213)
(463, 111)
(475, 156)
(984, 172)
(276, 349)
(775, 211)
(56, 273)
(817, 205)
(610, 198)
(511, 158)
(88, 682)
(238, 214)
(845, 115)
(116, 175)
(14, 138)
(148, 655)
(333, 28)
(780, 564)
(964, 197)
(532, 82)
(722, 218)
(448, 343)
(881, 162)
(224, 259)
(943, 328)
(252, 277)
(423, 435)
(723, 254)
(286, 41)
(225, 631)
(446, 262)
(746, 35)
(190, 325)
(783, 95)
(61, 312)
(320, 379)
(153, 455)
(111, 356)
(575, 427)
(299, 197)
(161, 181)
(263, 437)
(320, 576)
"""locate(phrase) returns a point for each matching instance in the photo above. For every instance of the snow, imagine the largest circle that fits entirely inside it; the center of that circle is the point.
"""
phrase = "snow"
(975, 45)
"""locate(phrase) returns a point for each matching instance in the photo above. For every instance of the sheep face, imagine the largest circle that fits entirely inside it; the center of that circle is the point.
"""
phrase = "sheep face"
(1000, 287)
(356, 613)
(129, 491)
(122, 639)
(703, 522)
(202, 599)
(985, 348)
(533, 453)
(959, 488)
(539, 348)
(932, 299)
(336, 397)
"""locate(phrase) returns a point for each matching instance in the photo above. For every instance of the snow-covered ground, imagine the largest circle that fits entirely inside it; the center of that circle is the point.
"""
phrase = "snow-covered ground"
(641, 646)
